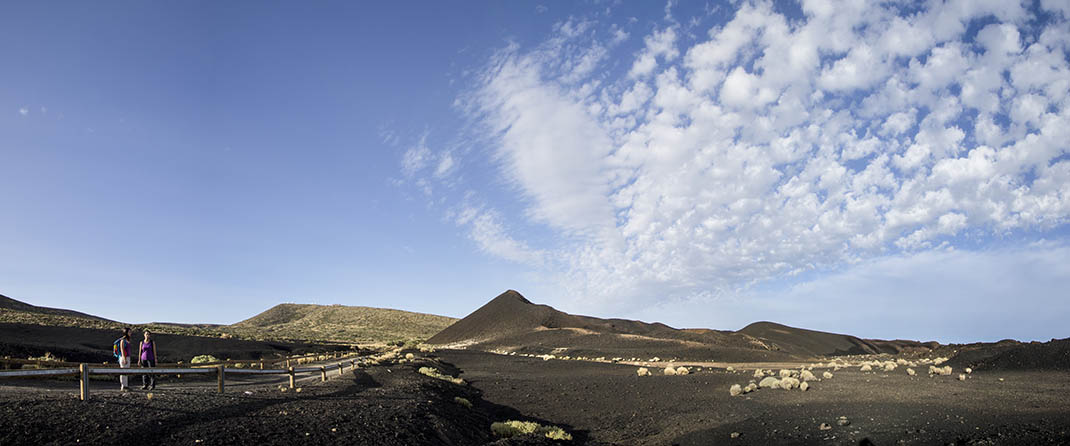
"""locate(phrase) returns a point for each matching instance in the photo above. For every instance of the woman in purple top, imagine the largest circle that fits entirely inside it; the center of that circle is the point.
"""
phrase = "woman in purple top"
(148, 359)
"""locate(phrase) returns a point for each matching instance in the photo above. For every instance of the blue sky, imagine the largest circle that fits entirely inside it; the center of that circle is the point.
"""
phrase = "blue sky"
(893, 172)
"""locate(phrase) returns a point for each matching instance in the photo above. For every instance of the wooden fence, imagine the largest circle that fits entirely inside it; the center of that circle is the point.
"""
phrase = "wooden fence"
(261, 362)
(83, 372)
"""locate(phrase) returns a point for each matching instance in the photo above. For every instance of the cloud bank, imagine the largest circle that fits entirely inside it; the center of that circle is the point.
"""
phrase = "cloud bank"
(706, 159)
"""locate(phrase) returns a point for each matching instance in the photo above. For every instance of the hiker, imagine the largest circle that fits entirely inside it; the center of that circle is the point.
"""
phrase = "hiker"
(121, 348)
(147, 355)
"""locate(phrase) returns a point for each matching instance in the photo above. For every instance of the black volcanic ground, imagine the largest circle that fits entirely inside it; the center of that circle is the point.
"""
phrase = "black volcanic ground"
(1015, 395)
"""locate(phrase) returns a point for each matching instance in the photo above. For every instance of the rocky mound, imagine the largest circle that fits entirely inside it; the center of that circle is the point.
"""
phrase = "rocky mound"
(1014, 355)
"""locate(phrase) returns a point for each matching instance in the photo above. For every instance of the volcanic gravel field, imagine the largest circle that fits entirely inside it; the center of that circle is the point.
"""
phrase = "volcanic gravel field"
(610, 404)
(380, 405)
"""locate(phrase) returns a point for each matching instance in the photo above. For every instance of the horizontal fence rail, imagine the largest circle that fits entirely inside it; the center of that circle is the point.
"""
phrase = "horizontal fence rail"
(261, 362)
(84, 371)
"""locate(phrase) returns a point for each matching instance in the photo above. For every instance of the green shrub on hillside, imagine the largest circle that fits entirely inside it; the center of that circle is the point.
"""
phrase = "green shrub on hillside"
(201, 359)
(434, 373)
(513, 428)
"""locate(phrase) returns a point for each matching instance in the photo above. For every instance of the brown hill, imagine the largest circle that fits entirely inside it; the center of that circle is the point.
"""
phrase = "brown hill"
(341, 323)
(510, 322)
(818, 343)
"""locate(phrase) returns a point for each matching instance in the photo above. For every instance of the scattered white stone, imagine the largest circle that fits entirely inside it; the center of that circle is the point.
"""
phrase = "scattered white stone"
(643, 371)
(911, 372)
(824, 426)
(866, 368)
(750, 388)
(758, 374)
(962, 376)
(729, 369)
(843, 421)
(807, 375)
(784, 373)
(969, 370)
(804, 386)
(827, 375)
(734, 435)
(735, 390)
(670, 370)
(682, 370)
(889, 366)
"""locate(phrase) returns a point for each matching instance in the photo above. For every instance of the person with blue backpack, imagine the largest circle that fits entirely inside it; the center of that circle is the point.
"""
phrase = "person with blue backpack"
(121, 349)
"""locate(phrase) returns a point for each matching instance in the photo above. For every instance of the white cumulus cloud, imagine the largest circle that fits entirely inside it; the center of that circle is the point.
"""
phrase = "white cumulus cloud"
(775, 146)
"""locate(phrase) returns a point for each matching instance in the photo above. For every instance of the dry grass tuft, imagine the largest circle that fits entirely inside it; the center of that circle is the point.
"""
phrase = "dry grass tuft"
(512, 428)
(434, 373)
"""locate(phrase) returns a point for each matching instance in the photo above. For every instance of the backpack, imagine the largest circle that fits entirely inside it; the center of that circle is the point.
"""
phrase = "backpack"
(117, 347)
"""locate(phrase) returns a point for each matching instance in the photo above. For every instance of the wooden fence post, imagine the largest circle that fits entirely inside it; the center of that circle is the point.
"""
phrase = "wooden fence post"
(323, 370)
(84, 379)
(340, 372)
(291, 377)
(220, 373)
(261, 364)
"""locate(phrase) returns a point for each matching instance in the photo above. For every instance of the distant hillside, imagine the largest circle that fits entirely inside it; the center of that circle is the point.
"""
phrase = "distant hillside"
(511, 322)
(7, 303)
(285, 322)
(341, 323)
(810, 342)
(16, 312)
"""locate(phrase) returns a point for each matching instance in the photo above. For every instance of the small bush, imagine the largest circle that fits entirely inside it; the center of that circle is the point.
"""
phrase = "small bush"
(410, 356)
(866, 368)
(434, 373)
(769, 382)
(942, 371)
(889, 366)
(735, 390)
(462, 401)
(201, 359)
(507, 429)
(670, 371)
(804, 386)
(785, 373)
(827, 375)
(911, 372)
(758, 374)
(643, 371)
(807, 375)
(682, 370)
(789, 383)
